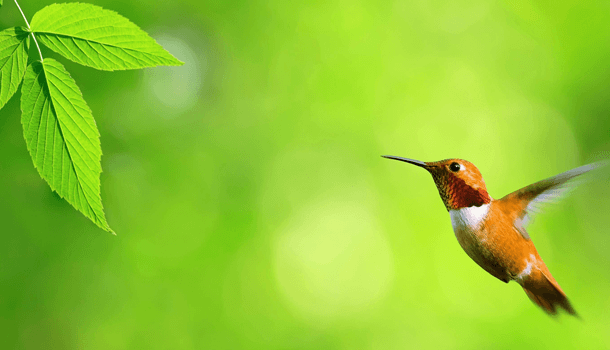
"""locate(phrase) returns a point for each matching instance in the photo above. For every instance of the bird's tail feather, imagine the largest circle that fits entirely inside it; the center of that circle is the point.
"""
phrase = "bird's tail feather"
(546, 293)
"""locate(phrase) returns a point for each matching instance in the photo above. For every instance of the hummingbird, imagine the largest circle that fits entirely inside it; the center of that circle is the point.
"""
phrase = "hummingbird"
(493, 231)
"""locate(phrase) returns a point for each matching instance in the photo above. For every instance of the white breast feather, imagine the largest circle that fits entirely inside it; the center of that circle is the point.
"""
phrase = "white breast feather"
(468, 218)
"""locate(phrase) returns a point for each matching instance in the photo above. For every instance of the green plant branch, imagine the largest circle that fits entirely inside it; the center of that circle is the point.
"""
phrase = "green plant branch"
(28, 24)
(73, 172)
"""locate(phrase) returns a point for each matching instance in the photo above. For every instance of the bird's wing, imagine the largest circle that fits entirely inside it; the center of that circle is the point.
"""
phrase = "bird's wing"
(531, 199)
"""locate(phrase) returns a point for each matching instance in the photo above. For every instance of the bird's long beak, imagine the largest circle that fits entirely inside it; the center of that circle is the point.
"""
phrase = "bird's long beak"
(407, 160)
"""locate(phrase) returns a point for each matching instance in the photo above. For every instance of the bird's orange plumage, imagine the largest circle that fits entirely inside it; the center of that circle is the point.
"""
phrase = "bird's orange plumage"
(492, 232)
(500, 248)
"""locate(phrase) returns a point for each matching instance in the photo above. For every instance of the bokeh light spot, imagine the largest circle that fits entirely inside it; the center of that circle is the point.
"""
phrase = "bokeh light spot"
(177, 88)
(332, 262)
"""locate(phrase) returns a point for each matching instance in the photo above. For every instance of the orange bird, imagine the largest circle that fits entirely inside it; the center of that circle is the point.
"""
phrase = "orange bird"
(492, 232)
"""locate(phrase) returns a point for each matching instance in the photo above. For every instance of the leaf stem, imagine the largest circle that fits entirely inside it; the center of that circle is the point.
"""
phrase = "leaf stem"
(28, 24)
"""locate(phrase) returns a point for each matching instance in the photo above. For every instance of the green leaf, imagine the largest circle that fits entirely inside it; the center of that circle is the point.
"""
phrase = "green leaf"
(14, 44)
(98, 38)
(62, 137)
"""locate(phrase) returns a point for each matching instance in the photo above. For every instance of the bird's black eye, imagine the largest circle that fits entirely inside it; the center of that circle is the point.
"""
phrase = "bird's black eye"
(454, 166)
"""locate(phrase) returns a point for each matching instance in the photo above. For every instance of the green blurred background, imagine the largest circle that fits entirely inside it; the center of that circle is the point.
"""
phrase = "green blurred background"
(253, 210)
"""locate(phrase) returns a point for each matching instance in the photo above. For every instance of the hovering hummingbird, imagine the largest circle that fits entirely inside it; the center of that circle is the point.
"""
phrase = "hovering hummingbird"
(492, 232)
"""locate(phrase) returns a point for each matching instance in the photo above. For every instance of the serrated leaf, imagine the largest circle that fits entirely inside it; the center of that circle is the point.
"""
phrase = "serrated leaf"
(62, 137)
(14, 44)
(98, 38)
